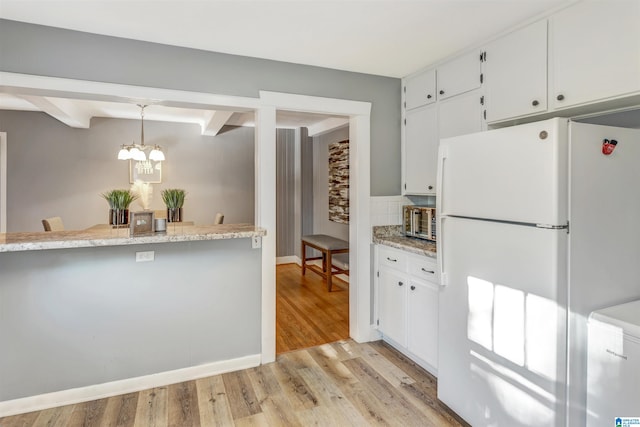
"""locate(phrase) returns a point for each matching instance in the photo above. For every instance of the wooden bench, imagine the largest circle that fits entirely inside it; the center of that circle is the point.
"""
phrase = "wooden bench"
(328, 246)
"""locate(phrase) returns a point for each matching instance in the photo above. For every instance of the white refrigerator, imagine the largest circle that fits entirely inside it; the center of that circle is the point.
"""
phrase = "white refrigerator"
(526, 252)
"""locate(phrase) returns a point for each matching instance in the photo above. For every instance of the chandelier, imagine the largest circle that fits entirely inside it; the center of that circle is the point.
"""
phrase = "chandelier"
(137, 151)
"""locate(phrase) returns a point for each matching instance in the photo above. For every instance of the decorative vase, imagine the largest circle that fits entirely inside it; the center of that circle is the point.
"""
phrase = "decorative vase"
(174, 214)
(118, 216)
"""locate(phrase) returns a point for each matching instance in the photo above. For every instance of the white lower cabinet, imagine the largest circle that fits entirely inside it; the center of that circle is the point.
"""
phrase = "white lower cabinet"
(422, 321)
(407, 304)
(393, 305)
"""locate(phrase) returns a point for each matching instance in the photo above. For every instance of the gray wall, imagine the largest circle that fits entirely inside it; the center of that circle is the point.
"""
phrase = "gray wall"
(77, 317)
(40, 50)
(321, 223)
(287, 237)
(306, 184)
(55, 170)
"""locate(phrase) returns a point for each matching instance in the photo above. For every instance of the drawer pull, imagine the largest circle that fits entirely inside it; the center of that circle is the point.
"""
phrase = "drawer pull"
(400, 283)
(413, 288)
(428, 271)
(392, 260)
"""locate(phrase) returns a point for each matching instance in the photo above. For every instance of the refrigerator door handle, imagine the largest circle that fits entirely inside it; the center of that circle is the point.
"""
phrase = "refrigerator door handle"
(440, 216)
(441, 259)
(554, 227)
(442, 155)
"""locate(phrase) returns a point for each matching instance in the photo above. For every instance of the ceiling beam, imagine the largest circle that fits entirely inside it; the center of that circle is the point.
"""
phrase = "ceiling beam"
(332, 123)
(215, 121)
(66, 112)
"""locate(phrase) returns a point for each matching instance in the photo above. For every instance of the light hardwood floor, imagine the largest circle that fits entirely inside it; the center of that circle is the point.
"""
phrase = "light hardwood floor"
(338, 384)
(306, 314)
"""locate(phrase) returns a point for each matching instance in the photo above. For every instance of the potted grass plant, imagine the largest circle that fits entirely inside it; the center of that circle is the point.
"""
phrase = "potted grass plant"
(173, 199)
(119, 201)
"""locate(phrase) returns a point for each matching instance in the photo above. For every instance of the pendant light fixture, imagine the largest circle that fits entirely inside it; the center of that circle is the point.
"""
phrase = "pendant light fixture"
(135, 151)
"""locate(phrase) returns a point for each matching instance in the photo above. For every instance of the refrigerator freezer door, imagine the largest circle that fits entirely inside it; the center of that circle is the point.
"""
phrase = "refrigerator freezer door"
(502, 323)
(511, 174)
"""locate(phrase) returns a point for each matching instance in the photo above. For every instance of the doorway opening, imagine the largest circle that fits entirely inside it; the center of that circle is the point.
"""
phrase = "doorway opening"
(312, 166)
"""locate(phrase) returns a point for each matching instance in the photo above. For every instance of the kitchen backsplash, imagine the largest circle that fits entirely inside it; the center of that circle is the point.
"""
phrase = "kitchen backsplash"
(387, 210)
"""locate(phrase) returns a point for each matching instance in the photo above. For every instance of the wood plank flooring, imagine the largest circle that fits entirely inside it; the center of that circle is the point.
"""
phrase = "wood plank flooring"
(338, 384)
(306, 314)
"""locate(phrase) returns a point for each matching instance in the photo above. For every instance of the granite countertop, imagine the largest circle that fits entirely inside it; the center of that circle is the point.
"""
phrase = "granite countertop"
(391, 235)
(106, 236)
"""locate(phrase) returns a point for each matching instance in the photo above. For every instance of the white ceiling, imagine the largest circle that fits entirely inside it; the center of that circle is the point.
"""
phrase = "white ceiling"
(383, 37)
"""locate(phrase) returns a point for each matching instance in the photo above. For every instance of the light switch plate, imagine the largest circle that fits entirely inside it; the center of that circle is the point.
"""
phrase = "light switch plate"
(145, 256)
(256, 242)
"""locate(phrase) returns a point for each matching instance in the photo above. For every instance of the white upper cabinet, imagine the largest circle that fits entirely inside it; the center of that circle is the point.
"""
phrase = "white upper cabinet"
(459, 75)
(515, 73)
(594, 52)
(421, 150)
(460, 115)
(420, 90)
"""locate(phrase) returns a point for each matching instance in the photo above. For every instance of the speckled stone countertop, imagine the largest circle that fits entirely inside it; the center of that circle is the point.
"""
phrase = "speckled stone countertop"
(106, 236)
(391, 235)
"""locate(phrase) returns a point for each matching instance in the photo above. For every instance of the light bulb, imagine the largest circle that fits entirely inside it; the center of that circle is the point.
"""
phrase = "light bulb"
(124, 154)
(137, 154)
(156, 154)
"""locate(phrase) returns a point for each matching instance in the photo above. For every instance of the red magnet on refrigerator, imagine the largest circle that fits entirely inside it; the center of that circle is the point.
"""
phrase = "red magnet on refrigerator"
(608, 146)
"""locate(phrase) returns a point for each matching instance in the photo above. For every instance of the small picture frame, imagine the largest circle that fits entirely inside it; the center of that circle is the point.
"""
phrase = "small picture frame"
(147, 171)
(141, 223)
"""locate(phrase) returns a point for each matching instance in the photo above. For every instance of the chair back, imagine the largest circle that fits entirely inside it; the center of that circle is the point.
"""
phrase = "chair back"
(219, 218)
(53, 224)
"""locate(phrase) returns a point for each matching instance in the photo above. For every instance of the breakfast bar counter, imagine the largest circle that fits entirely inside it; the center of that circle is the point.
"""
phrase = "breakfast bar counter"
(103, 235)
(90, 311)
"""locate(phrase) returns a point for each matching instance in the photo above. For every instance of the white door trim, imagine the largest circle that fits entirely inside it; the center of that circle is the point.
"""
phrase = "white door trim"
(359, 113)
(3, 182)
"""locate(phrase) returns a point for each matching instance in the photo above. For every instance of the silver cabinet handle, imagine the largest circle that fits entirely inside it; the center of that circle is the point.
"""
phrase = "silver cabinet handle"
(428, 271)
(392, 260)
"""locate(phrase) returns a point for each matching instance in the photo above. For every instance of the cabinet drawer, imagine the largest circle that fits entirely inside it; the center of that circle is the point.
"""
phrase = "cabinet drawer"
(424, 268)
(392, 258)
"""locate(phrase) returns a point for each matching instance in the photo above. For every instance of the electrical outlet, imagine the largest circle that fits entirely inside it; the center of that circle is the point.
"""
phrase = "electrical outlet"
(256, 242)
(145, 256)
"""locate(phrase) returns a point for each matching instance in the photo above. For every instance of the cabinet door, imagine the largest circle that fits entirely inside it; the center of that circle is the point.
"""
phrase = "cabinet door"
(459, 75)
(422, 302)
(460, 115)
(516, 73)
(421, 150)
(420, 90)
(392, 305)
(595, 52)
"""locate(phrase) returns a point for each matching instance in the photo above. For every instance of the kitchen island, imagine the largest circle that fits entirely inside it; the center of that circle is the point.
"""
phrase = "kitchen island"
(92, 313)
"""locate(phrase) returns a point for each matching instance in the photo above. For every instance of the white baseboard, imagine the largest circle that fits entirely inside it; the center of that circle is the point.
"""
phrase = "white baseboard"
(129, 385)
(292, 259)
(368, 335)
